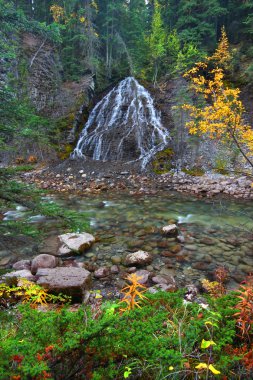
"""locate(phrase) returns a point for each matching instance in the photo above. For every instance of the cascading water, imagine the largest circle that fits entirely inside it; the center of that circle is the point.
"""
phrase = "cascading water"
(123, 126)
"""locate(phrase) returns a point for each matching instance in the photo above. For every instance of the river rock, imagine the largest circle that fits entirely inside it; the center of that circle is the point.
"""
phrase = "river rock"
(71, 281)
(102, 272)
(144, 274)
(43, 261)
(24, 273)
(74, 243)
(160, 280)
(5, 261)
(22, 264)
(162, 287)
(131, 270)
(138, 258)
(171, 229)
(116, 260)
(114, 269)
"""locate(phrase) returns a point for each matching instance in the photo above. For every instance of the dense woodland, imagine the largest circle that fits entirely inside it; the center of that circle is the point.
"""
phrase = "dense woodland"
(146, 38)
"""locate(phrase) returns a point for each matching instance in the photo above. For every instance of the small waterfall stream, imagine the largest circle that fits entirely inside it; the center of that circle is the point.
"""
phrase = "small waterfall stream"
(123, 126)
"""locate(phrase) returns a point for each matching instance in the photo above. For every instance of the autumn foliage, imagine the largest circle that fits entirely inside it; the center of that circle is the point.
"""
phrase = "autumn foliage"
(222, 115)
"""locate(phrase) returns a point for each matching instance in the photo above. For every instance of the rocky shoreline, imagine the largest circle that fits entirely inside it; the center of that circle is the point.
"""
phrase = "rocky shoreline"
(94, 178)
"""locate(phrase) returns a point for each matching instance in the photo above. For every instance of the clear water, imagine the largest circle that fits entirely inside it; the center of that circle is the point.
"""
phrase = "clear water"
(216, 232)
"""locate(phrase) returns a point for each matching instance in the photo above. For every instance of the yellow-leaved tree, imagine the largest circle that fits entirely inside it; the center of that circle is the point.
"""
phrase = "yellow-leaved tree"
(221, 117)
(222, 56)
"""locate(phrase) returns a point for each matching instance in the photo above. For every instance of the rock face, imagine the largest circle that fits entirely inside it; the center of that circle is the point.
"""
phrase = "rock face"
(71, 281)
(138, 258)
(43, 261)
(74, 243)
(137, 134)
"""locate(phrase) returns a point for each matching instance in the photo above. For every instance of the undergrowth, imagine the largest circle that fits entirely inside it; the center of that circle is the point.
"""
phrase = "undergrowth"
(167, 338)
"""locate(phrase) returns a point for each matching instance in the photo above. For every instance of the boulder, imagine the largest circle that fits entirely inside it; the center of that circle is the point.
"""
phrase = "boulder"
(43, 261)
(24, 273)
(138, 258)
(74, 243)
(170, 230)
(22, 264)
(71, 281)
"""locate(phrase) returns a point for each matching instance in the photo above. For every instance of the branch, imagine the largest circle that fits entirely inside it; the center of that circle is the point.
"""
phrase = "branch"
(37, 52)
(240, 149)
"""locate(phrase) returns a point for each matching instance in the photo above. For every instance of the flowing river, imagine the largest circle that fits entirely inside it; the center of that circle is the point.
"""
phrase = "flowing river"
(212, 233)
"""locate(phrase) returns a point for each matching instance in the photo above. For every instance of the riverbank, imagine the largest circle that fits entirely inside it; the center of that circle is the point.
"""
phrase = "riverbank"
(93, 177)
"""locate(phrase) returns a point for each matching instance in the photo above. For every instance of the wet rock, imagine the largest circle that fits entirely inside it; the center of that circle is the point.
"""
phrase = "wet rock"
(131, 270)
(138, 258)
(171, 229)
(101, 272)
(180, 238)
(175, 248)
(135, 243)
(208, 241)
(74, 243)
(71, 281)
(4, 261)
(200, 266)
(160, 279)
(167, 254)
(162, 244)
(191, 247)
(144, 274)
(43, 261)
(114, 269)
(116, 260)
(22, 264)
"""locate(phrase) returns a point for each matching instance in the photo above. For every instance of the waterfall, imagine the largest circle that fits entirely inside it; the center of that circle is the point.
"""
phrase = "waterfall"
(123, 126)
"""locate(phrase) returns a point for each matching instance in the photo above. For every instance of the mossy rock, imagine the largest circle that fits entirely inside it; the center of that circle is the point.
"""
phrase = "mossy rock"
(162, 162)
(65, 151)
(195, 171)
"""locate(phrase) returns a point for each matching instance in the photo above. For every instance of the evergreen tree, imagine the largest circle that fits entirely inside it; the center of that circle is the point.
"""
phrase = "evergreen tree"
(197, 21)
(157, 41)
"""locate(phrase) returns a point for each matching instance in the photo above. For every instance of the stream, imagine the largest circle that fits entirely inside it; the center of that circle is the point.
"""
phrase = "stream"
(212, 233)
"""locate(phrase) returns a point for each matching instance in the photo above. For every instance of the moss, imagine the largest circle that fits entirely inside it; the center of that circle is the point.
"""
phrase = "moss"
(195, 171)
(221, 166)
(162, 163)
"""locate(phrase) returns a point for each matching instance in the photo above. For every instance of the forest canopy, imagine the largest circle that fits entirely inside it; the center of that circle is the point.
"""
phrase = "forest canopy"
(116, 38)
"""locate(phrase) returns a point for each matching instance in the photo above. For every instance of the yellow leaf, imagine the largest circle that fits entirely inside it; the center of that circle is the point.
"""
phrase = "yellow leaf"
(171, 368)
(207, 343)
(213, 370)
(201, 366)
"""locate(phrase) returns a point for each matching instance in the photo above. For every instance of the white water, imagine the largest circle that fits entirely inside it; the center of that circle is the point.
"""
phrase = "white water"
(123, 126)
